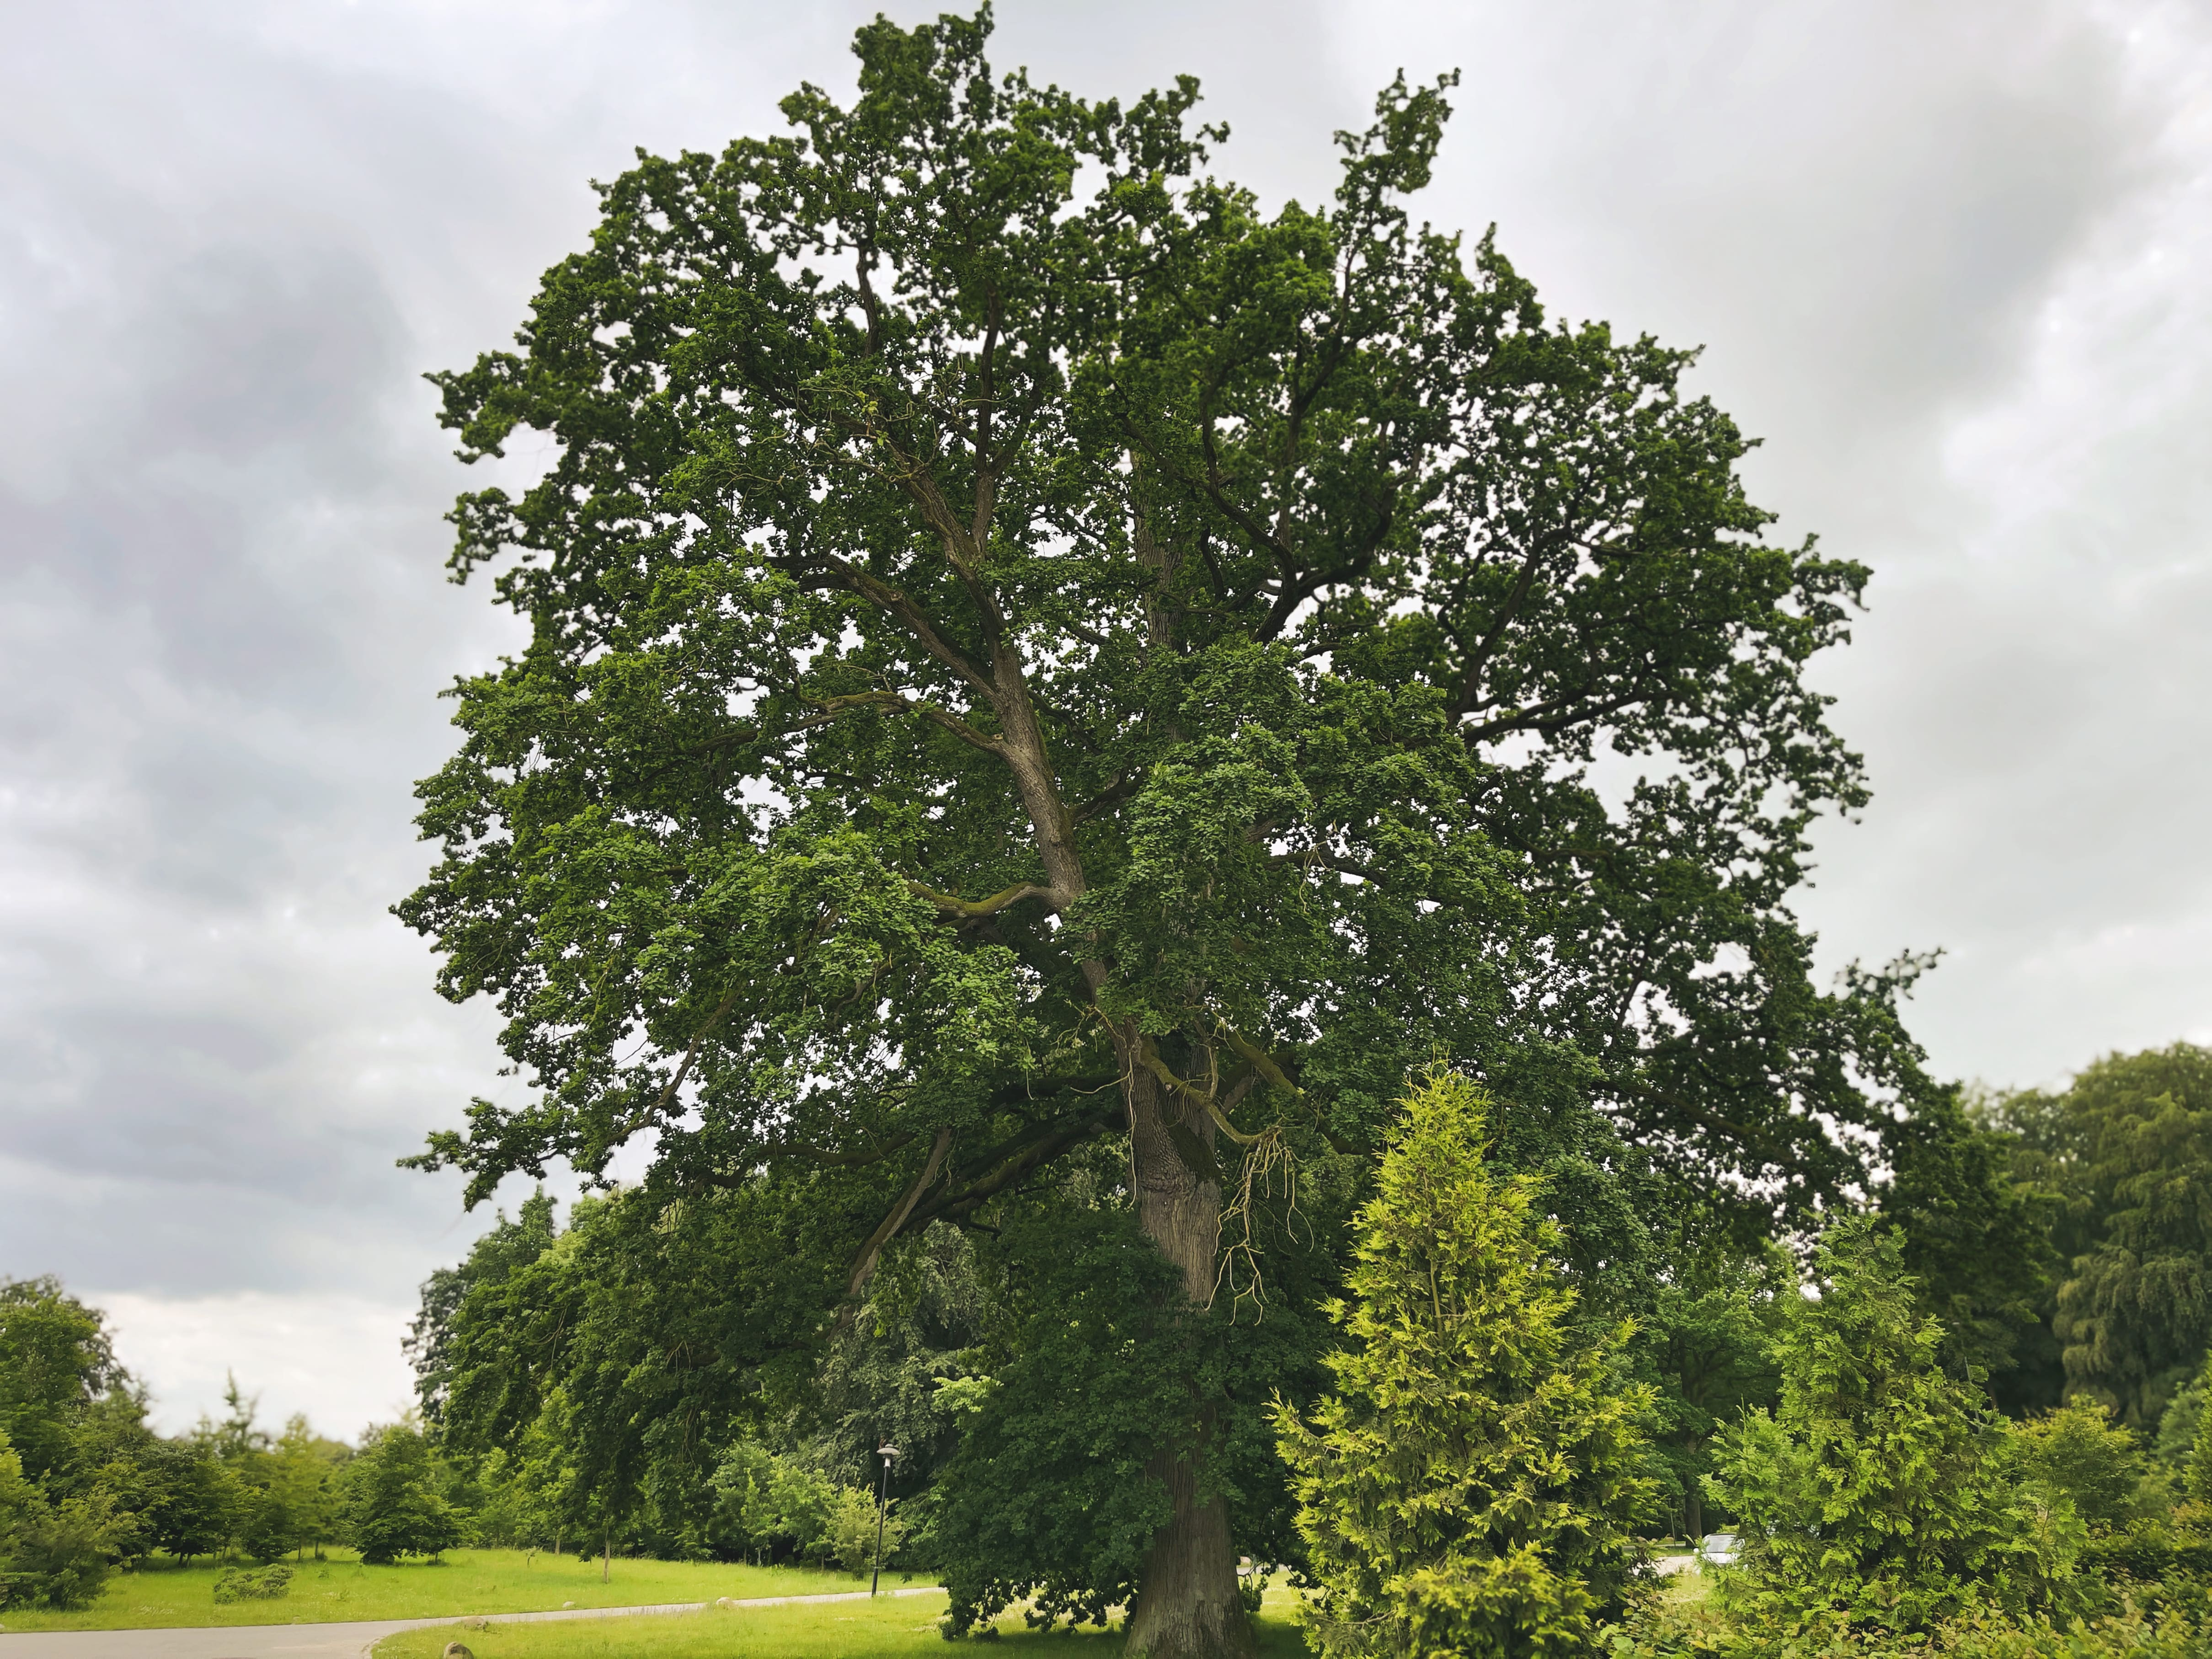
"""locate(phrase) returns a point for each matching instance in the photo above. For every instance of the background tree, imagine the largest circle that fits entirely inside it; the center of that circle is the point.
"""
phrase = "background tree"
(1877, 1495)
(2126, 1155)
(2135, 1313)
(1976, 1232)
(1028, 650)
(2078, 1451)
(1706, 1346)
(1468, 1486)
(503, 1249)
(57, 1362)
(393, 1504)
(51, 1554)
(304, 1479)
(187, 1501)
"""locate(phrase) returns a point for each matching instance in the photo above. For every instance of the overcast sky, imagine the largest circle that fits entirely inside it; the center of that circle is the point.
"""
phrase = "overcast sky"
(1952, 263)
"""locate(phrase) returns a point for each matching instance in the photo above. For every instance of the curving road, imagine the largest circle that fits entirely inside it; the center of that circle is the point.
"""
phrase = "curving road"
(336, 1641)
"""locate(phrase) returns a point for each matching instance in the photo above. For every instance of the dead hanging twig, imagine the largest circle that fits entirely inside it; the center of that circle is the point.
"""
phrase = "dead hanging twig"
(1268, 1155)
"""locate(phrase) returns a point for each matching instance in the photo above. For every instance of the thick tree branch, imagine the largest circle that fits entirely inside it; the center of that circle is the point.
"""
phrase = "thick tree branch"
(864, 1264)
(977, 910)
(929, 711)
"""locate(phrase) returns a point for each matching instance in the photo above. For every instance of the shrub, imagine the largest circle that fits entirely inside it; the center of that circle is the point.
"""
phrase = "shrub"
(1875, 1497)
(2131, 1633)
(851, 1530)
(269, 1530)
(2078, 1452)
(1469, 1486)
(50, 1555)
(253, 1584)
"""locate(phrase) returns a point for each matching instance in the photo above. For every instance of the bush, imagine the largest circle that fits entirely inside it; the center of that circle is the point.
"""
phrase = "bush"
(851, 1530)
(253, 1584)
(50, 1555)
(2078, 1452)
(1875, 1497)
(2131, 1633)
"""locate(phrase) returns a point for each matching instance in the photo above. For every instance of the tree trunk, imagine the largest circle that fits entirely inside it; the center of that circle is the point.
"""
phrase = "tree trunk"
(607, 1559)
(1186, 1604)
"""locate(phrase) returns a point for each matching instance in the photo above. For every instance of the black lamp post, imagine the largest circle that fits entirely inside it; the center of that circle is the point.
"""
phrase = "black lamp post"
(889, 1452)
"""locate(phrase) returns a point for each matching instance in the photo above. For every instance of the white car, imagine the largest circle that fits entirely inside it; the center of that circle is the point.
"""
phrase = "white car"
(1718, 1549)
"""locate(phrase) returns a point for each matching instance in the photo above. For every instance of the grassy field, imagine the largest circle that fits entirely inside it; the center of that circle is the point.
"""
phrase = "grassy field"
(465, 1581)
(902, 1629)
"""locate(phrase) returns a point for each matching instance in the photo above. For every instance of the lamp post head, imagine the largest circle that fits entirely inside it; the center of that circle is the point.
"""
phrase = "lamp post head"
(889, 1452)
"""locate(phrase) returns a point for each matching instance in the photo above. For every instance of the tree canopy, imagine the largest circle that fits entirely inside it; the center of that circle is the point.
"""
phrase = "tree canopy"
(1039, 662)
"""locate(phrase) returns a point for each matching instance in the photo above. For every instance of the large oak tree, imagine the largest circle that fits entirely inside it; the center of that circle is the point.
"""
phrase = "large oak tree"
(1032, 654)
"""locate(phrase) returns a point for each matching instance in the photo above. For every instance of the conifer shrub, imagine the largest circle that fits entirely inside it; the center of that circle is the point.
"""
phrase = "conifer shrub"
(1468, 1486)
(1877, 1497)
(269, 1584)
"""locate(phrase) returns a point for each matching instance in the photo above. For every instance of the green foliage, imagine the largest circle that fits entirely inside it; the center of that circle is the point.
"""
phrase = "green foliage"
(2198, 1473)
(2131, 1632)
(1875, 1495)
(2077, 1452)
(2178, 1425)
(1469, 1485)
(881, 1381)
(1704, 1344)
(1054, 1496)
(853, 1531)
(505, 1248)
(1027, 649)
(1976, 1236)
(56, 1361)
(266, 1584)
(393, 1504)
(774, 1508)
(186, 1502)
(2127, 1152)
(52, 1555)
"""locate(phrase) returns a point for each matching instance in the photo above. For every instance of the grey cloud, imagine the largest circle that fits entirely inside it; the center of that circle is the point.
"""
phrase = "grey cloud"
(1923, 246)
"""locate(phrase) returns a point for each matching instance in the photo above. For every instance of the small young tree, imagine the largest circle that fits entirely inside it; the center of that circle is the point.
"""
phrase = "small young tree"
(392, 1505)
(1875, 1495)
(1470, 1484)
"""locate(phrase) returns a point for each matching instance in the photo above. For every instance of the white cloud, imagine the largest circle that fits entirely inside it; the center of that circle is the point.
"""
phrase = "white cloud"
(336, 1358)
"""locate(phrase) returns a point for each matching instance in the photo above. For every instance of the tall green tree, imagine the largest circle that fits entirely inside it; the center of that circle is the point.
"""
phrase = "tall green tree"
(393, 1506)
(2135, 1313)
(2125, 1155)
(57, 1361)
(1469, 1484)
(1027, 649)
(1976, 1233)
(506, 1248)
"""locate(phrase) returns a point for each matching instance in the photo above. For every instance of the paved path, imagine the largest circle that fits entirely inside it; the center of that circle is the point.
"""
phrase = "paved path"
(334, 1641)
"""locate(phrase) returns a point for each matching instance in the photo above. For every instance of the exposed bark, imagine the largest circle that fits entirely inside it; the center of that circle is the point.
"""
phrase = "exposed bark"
(1187, 1607)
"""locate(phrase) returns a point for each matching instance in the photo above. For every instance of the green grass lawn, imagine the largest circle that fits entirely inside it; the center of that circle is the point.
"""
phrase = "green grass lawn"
(465, 1581)
(902, 1629)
